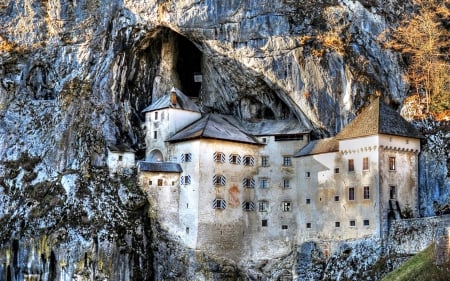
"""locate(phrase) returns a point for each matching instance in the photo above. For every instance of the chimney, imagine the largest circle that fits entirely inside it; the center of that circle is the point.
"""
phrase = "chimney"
(173, 96)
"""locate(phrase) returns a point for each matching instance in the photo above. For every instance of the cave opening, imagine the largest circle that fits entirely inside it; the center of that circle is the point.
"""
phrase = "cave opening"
(189, 66)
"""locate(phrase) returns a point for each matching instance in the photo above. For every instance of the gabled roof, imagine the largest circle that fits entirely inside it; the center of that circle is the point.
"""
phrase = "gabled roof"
(120, 148)
(318, 147)
(166, 167)
(275, 127)
(378, 118)
(214, 126)
(182, 102)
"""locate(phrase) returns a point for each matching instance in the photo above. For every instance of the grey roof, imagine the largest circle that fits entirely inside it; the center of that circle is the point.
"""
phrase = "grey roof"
(274, 127)
(318, 147)
(378, 118)
(120, 148)
(159, 167)
(183, 102)
(214, 126)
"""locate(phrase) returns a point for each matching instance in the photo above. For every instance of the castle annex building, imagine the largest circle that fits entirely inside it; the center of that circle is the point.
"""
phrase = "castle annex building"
(253, 190)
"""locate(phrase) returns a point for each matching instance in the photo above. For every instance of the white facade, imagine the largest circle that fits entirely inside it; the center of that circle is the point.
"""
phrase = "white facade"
(120, 162)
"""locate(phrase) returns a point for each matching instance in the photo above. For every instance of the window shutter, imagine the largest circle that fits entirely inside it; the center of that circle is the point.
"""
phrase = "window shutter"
(252, 183)
(182, 158)
(188, 157)
(252, 161)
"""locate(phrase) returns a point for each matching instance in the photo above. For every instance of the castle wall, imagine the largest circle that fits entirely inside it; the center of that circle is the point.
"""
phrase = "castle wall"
(119, 162)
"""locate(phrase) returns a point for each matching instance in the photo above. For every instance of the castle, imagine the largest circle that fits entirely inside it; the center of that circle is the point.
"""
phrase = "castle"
(253, 190)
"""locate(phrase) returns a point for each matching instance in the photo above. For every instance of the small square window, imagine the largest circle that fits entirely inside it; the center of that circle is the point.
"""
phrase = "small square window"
(263, 206)
(264, 223)
(336, 170)
(286, 206)
(336, 198)
(287, 161)
(286, 184)
(337, 224)
(284, 226)
(352, 223)
(308, 201)
(160, 182)
(264, 140)
(263, 183)
(150, 182)
(265, 161)
(120, 158)
(308, 225)
(366, 222)
(307, 174)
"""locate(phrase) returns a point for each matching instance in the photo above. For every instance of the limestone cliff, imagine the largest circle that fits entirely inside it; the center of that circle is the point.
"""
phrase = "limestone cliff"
(75, 74)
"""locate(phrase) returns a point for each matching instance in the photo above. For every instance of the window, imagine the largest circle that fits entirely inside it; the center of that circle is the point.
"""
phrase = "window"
(186, 157)
(284, 226)
(156, 115)
(263, 206)
(307, 174)
(289, 137)
(235, 159)
(286, 206)
(351, 193)
(219, 204)
(336, 198)
(120, 158)
(366, 192)
(248, 206)
(392, 192)
(248, 183)
(264, 223)
(392, 163)
(287, 161)
(263, 183)
(219, 157)
(264, 140)
(160, 182)
(187, 230)
(150, 182)
(155, 135)
(337, 224)
(185, 180)
(219, 180)
(351, 165)
(365, 163)
(352, 223)
(366, 222)
(248, 160)
(308, 201)
(265, 161)
(308, 225)
(336, 170)
(286, 184)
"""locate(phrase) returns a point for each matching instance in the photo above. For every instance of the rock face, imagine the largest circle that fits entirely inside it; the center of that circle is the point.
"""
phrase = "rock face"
(74, 76)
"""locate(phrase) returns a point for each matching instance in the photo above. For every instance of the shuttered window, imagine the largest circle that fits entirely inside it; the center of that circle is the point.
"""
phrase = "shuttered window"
(185, 180)
(248, 206)
(248, 183)
(219, 157)
(219, 180)
(249, 160)
(219, 204)
(235, 159)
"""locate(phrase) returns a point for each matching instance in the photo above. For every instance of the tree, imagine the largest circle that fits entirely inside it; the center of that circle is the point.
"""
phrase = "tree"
(423, 39)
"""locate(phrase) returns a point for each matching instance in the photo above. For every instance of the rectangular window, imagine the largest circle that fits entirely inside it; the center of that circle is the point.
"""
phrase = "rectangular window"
(235, 159)
(392, 163)
(308, 225)
(351, 165)
(219, 204)
(264, 140)
(248, 183)
(265, 161)
(366, 192)
(286, 184)
(337, 224)
(155, 135)
(308, 201)
(352, 223)
(263, 183)
(392, 192)
(186, 157)
(150, 182)
(287, 161)
(351, 193)
(248, 206)
(160, 182)
(365, 163)
(284, 226)
(264, 223)
(336, 198)
(307, 174)
(336, 170)
(248, 160)
(263, 206)
(120, 158)
(185, 180)
(219, 157)
(366, 222)
(219, 180)
(286, 206)
(156, 115)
